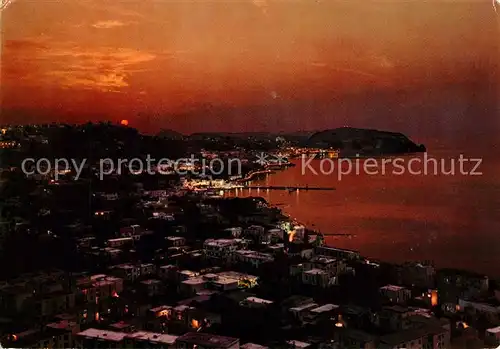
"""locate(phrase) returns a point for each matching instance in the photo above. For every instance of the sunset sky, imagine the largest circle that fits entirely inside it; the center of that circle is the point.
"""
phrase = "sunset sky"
(426, 68)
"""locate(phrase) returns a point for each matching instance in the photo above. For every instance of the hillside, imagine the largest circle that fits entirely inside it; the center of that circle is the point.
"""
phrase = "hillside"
(365, 142)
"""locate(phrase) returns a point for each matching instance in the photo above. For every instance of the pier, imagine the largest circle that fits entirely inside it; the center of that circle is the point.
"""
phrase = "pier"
(289, 188)
(253, 174)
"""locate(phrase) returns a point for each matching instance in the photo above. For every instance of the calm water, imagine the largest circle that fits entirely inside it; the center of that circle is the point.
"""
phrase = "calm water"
(451, 220)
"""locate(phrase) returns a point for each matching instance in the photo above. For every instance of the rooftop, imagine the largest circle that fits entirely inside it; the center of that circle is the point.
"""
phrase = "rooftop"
(28, 338)
(120, 239)
(175, 238)
(408, 335)
(255, 254)
(494, 330)
(219, 242)
(324, 308)
(252, 346)
(258, 300)
(109, 335)
(299, 344)
(182, 307)
(296, 300)
(316, 271)
(120, 325)
(151, 282)
(188, 272)
(276, 246)
(392, 288)
(194, 281)
(207, 340)
(236, 275)
(303, 307)
(63, 324)
(323, 260)
(106, 280)
(210, 276)
(225, 281)
(160, 308)
(153, 337)
(123, 266)
(111, 250)
(168, 266)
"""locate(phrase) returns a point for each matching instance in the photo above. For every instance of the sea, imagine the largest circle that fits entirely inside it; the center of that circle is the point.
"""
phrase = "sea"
(451, 218)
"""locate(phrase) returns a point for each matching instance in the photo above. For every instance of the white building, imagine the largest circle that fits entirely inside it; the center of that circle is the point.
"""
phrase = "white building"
(299, 232)
(322, 273)
(120, 242)
(143, 339)
(395, 294)
(319, 277)
(254, 302)
(253, 258)
(95, 338)
(192, 286)
(298, 344)
(219, 248)
(253, 346)
(300, 312)
(186, 274)
(332, 265)
(492, 336)
(225, 284)
(176, 241)
(235, 232)
(91, 337)
(223, 281)
(163, 215)
(132, 272)
(324, 311)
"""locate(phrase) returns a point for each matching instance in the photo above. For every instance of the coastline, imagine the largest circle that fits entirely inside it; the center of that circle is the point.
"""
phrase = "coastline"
(315, 231)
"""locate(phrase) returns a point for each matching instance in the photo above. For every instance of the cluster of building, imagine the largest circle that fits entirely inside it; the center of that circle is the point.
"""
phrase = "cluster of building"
(165, 265)
(127, 306)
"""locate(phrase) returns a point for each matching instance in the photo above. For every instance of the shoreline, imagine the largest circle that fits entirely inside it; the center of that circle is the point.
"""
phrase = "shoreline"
(375, 260)
(311, 230)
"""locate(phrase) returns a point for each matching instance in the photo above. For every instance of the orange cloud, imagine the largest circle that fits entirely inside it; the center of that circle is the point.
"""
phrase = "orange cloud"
(104, 69)
(66, 65)
(109, 24)
(262, 5)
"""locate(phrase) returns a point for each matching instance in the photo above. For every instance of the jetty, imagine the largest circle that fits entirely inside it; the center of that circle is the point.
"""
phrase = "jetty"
(289, 188)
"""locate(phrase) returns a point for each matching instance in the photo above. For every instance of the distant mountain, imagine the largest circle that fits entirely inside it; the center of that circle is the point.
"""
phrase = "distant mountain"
(169, 134)
(298, 137)
(365, 142)
(231, 135)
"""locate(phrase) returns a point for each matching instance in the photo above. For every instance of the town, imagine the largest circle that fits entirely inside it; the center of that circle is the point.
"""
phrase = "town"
(168, 261)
